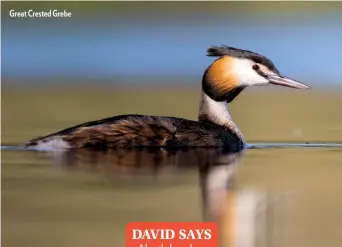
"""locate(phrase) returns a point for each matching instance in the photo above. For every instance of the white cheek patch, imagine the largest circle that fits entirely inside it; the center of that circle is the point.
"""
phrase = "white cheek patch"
(245, 73)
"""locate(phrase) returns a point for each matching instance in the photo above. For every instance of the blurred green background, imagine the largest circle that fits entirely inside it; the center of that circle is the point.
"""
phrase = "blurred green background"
(286, 115)
(113, 58)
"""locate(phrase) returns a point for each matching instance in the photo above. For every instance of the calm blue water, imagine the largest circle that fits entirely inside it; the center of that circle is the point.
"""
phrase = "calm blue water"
(305, 48)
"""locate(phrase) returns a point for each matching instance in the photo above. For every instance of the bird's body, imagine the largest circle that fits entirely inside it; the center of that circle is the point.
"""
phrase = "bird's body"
(224, 79)
(140, 131)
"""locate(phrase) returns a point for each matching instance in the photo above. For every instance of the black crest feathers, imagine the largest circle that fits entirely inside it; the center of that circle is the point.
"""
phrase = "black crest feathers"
(220, 51)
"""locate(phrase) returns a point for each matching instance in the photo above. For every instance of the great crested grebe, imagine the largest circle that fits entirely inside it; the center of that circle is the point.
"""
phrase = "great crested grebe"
(223, 80)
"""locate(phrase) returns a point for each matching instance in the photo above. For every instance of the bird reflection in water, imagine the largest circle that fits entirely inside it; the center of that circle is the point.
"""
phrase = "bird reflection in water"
(215, 166)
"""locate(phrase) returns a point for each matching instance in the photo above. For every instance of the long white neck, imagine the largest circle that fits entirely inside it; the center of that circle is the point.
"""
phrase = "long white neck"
(217, 112)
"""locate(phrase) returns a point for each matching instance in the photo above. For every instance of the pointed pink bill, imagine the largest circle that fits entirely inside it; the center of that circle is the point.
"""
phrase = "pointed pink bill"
(286, 82)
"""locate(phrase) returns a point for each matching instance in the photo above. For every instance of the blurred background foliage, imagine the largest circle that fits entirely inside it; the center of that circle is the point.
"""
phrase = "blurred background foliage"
(148, 57)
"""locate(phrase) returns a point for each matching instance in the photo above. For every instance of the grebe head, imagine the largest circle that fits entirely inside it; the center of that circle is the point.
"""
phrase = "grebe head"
(236, 69)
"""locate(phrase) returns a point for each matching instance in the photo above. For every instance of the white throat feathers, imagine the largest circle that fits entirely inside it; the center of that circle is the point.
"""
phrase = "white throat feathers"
(217, 113)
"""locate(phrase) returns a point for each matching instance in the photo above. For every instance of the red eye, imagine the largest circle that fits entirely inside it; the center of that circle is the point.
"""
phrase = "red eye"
(255, 67)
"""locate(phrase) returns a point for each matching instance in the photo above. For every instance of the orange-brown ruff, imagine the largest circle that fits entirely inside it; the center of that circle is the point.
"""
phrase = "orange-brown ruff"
(223, 80)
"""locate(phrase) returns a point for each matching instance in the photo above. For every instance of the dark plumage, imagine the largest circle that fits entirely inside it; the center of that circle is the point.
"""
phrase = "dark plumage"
(141, 130)
(219, 51)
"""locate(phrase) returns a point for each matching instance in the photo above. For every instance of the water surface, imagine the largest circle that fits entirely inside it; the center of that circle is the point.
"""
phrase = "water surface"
(83, 199)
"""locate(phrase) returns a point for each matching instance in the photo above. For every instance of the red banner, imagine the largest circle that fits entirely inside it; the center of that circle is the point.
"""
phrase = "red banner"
(171, 234)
